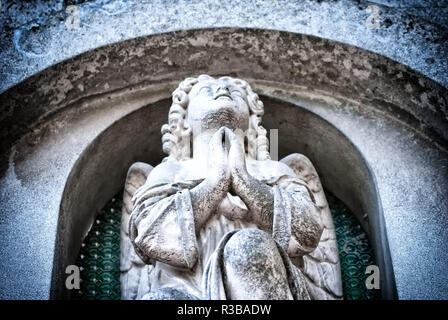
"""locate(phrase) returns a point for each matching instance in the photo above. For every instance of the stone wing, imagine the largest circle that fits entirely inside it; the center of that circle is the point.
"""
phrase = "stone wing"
(321, 267)
(134, 272)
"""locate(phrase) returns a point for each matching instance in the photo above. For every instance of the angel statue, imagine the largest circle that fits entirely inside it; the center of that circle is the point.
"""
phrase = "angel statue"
(218, 219)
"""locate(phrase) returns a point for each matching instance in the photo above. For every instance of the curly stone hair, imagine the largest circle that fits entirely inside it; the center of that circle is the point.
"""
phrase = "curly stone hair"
(176, 134)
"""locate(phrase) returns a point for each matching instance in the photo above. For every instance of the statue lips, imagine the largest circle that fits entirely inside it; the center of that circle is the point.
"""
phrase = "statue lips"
(226, 100)
(221, 94)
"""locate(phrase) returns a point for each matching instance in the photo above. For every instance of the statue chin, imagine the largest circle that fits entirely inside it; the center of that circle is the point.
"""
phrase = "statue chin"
(225, 115)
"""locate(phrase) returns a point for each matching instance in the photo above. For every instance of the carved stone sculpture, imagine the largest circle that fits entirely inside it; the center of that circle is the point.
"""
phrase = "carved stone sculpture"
(218, 219)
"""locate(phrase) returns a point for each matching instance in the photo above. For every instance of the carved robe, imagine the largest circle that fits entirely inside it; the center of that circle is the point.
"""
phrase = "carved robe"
(163, 233)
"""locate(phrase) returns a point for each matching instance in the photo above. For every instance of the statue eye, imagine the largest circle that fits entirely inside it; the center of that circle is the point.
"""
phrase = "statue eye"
(237, 93)
(205, 90)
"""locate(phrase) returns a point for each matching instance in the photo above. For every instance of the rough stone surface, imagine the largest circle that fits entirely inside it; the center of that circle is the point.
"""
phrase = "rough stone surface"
(392, 114)
(273, 56)
(35, 35)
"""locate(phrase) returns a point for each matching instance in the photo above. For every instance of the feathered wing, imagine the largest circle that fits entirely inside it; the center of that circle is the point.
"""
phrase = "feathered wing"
(321, 267)
(133, 271)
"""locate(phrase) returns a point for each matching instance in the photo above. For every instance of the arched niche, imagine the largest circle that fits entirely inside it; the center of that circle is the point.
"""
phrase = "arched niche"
(99, 173)
(394, 116)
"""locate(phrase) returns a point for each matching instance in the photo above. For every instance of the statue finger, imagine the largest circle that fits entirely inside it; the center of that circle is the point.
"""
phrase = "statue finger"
(216, 139)
(230, 135)
(233, 140)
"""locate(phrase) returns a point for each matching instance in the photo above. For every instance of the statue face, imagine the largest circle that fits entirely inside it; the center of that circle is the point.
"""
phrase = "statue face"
(215, 103)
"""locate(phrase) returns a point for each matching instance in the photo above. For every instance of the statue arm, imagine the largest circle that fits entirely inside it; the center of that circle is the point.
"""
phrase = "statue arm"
(167, 214)
(288, 211)
(258, 197)
(205, 198)
(162, 227)
(306, 224)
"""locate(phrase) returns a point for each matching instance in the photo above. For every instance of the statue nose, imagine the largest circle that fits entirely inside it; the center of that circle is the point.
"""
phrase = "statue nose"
(222, 89)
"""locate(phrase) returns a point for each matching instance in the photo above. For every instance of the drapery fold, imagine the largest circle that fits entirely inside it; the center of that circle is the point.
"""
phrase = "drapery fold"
(161, 227)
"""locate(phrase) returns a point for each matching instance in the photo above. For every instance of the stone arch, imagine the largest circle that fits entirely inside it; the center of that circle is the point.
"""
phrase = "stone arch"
(99, 173)
(394, 116)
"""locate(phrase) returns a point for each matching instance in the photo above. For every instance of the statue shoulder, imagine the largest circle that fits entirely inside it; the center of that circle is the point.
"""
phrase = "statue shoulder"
(266, 169)
(169, 172)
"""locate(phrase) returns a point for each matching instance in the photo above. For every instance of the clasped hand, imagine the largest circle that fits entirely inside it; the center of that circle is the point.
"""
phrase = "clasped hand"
(226, 160)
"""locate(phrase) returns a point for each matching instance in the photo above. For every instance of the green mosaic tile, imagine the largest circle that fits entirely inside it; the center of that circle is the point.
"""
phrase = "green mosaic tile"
(99, 257)
(355, 252)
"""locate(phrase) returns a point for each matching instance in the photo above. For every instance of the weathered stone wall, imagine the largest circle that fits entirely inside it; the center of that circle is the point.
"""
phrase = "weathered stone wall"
(393, 115)
(35, 36)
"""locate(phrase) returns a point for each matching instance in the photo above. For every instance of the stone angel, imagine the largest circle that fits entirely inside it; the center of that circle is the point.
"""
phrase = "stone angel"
(218, 219)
